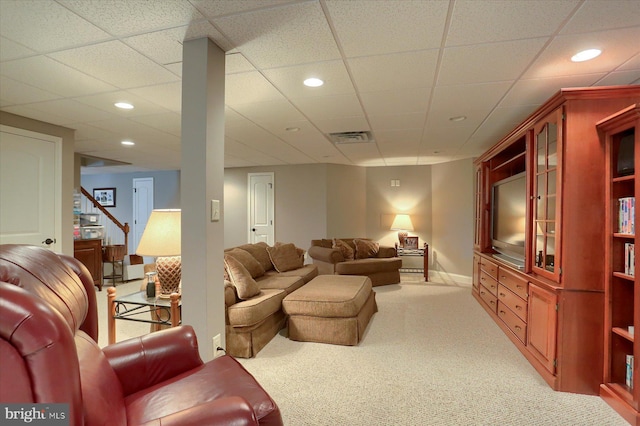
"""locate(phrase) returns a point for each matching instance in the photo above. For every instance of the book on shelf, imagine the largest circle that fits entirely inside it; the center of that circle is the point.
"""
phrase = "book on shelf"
(626, 215)
(629, 259)
(629, 379)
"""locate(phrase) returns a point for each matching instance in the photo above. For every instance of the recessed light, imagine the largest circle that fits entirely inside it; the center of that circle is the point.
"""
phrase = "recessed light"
(128, 143)
(123, 105)
(586, 55)
(458, 118)
(313, 82)
(292, 129)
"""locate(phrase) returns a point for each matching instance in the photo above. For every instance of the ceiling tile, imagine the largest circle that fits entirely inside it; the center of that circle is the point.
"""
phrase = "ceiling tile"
(47, 74)
(329, 107)
(12, 50)
(397, 121)
(475, 22)
(280, 111)
(212, 9)
(131, 17)
(168, 96)
(394, 71)
(555, 61)
(402, 101)
(249, 87)
(596, 15)
(71, 111)
(289, 80)
(14, 92)
(487, 62)
(375, 27)
(169, 122)
(536, 91)
(399, 136)
(287, 35)
(237, 63)
(620, 78)
(130, 70)
(105, 101)
(342, 124)
(45, 26)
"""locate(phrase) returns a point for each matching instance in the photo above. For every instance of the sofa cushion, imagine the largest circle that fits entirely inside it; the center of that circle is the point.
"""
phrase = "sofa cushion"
(285, 257)
(259, 252)
(245, 285)
(346, 250)
(276, 281)
(366, 249)
(252, 311)
(254, 267)
(307, 273)
(369, 266)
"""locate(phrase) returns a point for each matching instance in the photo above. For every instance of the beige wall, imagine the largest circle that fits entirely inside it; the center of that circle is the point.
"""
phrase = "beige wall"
(412, 197)
(452, 217)
(68, 170)
(346, 201)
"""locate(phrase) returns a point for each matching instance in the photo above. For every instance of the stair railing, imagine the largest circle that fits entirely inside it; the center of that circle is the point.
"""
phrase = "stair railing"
(124, 228)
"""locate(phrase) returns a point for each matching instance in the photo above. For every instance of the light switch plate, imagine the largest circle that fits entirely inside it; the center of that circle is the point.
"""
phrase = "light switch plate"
(215, 210)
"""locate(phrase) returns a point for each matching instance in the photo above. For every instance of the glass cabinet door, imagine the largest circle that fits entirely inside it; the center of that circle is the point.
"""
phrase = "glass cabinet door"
(547, 157)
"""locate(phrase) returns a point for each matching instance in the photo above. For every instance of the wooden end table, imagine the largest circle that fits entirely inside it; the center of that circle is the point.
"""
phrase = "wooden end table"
(421, 252)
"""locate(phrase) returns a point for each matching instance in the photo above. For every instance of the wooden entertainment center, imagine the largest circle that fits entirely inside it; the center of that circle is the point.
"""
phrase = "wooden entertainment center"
(554, 303)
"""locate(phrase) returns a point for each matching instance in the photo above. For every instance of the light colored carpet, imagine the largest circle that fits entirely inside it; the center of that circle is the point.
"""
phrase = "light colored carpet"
(430, 356)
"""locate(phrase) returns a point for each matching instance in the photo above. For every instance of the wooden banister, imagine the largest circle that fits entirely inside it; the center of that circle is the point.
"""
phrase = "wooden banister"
(124, 228)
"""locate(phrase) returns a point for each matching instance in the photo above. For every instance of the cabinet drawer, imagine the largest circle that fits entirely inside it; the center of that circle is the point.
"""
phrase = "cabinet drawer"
(517, 305)
(489, 283)
(513, 282)
(489, 298)
(489, 267)
(512, 321)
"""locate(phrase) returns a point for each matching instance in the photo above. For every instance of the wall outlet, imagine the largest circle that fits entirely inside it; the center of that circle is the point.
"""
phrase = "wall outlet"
(217, 343)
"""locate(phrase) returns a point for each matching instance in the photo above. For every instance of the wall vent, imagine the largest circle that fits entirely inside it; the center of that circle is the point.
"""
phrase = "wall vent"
(350, 137)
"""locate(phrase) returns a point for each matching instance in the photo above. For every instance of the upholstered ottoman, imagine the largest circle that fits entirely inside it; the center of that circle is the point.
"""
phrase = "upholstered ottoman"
(331, 309)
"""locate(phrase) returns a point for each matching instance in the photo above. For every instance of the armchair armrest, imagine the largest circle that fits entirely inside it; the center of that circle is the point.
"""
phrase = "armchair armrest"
(387, 251)
(325, 254)
(144, 361)
(233, 410)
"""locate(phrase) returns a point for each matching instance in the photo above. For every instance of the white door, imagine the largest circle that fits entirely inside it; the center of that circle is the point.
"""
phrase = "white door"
(261, 210)
(142, 206)
(30, 188)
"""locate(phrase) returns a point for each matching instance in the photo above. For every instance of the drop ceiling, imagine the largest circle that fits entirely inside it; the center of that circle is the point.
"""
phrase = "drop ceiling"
(399, 70)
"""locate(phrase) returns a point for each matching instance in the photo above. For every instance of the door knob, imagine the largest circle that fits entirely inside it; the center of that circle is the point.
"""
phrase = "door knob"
(49, 241)
(253, 229)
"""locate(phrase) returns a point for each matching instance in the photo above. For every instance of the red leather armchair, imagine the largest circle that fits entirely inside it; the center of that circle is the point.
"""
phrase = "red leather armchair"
(48, 334)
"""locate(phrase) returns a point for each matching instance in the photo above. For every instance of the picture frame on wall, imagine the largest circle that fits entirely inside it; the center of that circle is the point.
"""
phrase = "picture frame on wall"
(411, 243)
(105, 196)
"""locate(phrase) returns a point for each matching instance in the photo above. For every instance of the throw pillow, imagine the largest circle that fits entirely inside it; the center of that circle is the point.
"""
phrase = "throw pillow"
(246, 286)
(345, 249)
(366, 248)
(254, 267)
(259, 252)
(285, 257)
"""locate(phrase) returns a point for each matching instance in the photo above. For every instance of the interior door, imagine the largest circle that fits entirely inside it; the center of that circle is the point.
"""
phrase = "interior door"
(142, 207)
(261, 208)
(30, 188)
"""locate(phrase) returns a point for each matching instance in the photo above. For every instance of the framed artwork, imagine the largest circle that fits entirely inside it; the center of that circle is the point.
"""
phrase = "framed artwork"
(411, 243)
(105, 196)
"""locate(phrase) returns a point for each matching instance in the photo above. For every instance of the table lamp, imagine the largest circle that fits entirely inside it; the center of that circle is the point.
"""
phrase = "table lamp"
(161, 238)
(402, 224)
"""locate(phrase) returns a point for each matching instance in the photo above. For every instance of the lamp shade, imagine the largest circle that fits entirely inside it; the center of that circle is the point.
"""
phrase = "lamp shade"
(161, 236)
(402, 222)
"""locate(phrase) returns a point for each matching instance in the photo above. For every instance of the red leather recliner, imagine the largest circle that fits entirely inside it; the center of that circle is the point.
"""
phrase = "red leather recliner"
(49, 354)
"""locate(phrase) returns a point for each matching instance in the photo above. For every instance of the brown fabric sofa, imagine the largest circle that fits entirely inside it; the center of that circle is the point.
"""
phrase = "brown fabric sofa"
(382, 266)
(251, 322)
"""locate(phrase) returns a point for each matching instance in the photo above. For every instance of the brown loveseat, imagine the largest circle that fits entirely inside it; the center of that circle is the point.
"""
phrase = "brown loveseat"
(356, 256)
(257, 279)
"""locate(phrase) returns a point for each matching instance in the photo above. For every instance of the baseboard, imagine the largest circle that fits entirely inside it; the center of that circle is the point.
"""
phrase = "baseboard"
(447, 278)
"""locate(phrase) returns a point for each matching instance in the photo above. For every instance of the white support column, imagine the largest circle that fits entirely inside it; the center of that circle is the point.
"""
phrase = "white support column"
(202, 180)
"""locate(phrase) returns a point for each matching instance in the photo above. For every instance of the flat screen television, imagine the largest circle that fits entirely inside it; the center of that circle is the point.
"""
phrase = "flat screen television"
(508, 217)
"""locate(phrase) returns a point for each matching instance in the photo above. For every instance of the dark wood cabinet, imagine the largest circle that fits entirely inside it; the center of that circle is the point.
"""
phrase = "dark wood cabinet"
(552, 307)
(621, 389)
(89, 252)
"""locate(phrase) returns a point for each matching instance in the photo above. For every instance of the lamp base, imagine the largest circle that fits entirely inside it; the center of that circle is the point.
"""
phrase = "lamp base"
(401, 237)
(169, 274)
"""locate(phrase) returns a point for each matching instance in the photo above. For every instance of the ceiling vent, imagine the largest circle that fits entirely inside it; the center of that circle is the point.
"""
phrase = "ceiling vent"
(350, 137)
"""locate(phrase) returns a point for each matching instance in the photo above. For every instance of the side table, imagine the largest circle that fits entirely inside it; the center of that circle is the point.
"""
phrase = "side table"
(413, 253)
(131, 306)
